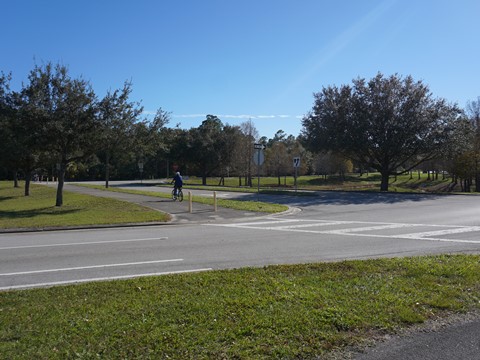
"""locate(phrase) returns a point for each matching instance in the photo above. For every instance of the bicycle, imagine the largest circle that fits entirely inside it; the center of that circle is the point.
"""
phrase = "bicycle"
(178, 196)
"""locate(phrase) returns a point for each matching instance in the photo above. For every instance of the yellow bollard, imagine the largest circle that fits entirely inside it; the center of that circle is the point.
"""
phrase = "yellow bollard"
(190, 207)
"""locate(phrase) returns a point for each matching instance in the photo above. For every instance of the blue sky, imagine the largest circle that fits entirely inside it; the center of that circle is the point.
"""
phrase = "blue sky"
(241, 59)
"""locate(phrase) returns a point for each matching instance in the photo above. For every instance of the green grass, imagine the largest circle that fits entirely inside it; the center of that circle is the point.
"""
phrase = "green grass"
(254, 206)
(38, 210)
(276, 312)
(349, 182)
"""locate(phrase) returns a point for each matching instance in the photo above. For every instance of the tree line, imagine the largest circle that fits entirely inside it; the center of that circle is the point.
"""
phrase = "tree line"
(57, 126)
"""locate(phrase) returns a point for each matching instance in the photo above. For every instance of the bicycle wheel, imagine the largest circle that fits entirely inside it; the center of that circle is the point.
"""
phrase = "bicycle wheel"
(180, 195)
(173, 195)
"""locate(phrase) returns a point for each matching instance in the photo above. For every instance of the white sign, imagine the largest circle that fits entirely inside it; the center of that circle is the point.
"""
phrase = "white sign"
(259, 157)
(296, 162)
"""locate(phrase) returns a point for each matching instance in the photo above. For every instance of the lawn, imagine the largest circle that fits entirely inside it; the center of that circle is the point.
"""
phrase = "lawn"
(415, 182)
(275, 312)
(39, 211)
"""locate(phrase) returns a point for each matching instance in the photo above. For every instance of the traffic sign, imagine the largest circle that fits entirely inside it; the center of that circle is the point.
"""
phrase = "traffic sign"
(259, 157)
(296, 162)
(259, 146)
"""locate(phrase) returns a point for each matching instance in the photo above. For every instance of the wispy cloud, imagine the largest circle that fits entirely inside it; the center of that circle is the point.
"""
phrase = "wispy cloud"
(230, 116)
(148, 112)
(240, 116)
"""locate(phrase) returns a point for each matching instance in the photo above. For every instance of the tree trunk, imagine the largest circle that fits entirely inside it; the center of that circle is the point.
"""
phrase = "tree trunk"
(61, 181)
(204, 179)
(239, 180)
(477, 182)
(15, 179)
(28, 177)
(384, 183)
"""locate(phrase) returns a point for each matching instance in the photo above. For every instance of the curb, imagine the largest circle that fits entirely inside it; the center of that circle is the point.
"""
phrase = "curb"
(173, 221)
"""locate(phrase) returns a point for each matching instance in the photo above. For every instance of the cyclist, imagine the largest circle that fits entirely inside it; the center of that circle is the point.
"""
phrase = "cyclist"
(178, 182)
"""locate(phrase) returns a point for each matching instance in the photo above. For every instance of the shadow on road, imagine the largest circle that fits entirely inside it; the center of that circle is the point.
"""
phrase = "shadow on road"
(348, 198)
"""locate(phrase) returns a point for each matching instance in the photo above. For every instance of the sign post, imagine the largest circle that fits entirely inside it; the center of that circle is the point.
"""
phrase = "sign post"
(258, 159)
(140, 166)
(296, 165)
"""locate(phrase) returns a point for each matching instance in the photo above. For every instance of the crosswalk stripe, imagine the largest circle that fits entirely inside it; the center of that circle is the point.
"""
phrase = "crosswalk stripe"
(301, 225)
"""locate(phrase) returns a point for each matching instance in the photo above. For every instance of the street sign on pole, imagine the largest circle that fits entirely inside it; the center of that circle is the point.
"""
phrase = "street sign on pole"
(296, 162)
(258, 157)
(296, 165)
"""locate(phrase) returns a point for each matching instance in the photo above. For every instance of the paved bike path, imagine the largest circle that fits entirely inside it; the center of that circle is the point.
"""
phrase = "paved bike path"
(180, 211)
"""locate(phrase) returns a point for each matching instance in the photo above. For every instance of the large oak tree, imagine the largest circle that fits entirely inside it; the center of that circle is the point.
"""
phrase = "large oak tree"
(391, 124)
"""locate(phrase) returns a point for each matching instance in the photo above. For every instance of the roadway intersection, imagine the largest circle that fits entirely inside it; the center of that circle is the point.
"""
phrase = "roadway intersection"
(325, 227)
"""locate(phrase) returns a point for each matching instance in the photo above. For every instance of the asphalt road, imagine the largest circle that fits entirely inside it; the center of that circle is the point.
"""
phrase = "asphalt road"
(329, 226)
(325, 227)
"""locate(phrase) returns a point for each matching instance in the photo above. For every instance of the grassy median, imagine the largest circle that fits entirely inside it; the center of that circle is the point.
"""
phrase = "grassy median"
(39, 211)
(276, 312)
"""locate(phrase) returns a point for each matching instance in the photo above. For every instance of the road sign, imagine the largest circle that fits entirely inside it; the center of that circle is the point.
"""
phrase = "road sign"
(258, 157)
(259, 146)
(296, 162)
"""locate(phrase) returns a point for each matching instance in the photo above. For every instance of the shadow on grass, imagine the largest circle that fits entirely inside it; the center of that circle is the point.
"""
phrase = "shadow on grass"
(23, 214)
(336, 180)
(134, 184)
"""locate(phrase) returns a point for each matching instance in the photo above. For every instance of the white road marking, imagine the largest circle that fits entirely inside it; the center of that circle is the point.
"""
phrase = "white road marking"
(80, 243)
(444, 232)
(276, 225)
(308, 225)
(258, 223)
(48, 284)
(88, 267)
(370, 228)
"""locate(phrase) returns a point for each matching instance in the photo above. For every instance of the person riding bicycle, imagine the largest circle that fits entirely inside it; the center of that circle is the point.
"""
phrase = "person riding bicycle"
(177, 179)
